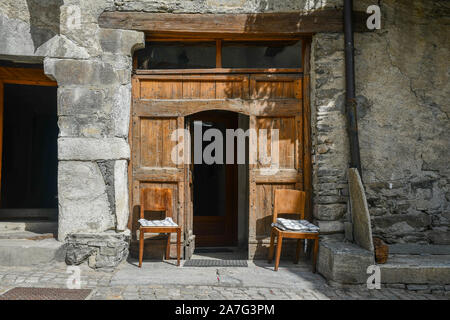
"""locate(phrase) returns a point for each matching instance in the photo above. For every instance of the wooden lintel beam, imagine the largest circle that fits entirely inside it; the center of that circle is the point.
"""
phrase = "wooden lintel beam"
(259, 24)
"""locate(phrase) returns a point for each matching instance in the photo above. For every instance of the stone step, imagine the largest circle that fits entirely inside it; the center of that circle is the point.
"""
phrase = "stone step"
(19, 252)
(26, 235)
(407, 248)
(35, 226)
(416, 269)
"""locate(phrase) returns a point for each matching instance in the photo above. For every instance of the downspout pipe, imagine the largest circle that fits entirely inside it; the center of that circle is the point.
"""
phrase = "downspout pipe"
(350, 101)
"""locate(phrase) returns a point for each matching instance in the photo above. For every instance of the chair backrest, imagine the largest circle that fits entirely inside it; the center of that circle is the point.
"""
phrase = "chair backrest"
(289, 202)
(156, 199)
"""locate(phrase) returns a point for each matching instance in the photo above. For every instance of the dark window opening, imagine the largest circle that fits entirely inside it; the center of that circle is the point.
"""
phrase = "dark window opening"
(261, 54)
(29, 157)
(177, 55)
(286, 54)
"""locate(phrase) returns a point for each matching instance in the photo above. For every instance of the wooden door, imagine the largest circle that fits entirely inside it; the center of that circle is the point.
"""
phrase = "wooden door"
(271, 100)
(214, 186)
(277, 101)
(160, 104)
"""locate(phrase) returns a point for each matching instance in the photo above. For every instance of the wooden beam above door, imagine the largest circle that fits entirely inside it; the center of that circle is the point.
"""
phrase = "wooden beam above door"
(244, 26)
(30, 76)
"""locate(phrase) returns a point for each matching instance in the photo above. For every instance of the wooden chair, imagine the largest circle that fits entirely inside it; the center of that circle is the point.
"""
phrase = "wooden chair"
(158, 199)
(290, 202)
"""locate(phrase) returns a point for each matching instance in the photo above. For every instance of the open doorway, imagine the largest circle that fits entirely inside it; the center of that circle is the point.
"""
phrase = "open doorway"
(220, 192)
(29, 153)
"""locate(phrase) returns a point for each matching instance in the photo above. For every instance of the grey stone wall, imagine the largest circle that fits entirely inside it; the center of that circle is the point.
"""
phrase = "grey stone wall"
(402, 92)
(92, 67)
(402, 74)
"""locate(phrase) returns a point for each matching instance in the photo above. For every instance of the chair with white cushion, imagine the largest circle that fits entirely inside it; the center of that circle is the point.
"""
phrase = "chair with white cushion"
(158, 199)
(291, 202)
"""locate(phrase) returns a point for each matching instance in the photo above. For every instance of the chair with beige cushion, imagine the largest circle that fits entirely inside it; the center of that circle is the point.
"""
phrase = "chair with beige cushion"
(291, 202)
(158, 199)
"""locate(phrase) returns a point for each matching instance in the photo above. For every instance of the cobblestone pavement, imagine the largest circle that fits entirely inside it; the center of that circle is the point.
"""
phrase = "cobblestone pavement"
(105, 286)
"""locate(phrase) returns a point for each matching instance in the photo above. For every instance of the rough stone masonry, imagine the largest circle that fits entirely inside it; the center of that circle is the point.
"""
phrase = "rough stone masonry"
(403, 113)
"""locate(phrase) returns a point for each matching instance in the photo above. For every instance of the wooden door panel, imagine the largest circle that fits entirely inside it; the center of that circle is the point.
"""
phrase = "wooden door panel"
(287, 138)
(270, 89)
(155, 142)
(187, 87)
(276, 87)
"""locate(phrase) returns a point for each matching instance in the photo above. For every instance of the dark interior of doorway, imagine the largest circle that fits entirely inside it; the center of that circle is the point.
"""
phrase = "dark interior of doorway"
(220, 190)
(29, 157)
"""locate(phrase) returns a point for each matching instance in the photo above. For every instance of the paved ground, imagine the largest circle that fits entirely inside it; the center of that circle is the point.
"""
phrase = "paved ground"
(163, 280)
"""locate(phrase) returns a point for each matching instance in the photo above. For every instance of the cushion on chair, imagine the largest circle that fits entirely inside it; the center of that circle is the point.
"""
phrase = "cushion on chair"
(167, 222)
(295, 225)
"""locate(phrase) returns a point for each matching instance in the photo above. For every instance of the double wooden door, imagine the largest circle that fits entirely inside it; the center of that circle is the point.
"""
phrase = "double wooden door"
(161, 103)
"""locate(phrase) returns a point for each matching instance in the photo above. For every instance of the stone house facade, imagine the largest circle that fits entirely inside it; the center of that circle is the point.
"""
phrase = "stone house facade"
(402, 93)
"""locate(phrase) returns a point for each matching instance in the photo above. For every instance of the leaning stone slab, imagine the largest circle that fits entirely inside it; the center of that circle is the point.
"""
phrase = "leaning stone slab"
(344, 263)
(89, 149)
(362, 229)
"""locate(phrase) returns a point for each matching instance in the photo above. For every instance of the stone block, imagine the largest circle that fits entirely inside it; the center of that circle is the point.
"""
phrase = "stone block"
(121, 102)
(330, 212)
(121, 194)
(80, 72)
(402, 223)
(83, 202)
(101, 250)
(89, 149)
(80, 101)
(344, 263)
(123, 42)
(329, 227)
(85, 126)
(348, 230)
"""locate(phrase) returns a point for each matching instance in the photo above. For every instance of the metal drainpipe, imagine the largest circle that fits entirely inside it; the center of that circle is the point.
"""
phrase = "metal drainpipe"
(350, 103)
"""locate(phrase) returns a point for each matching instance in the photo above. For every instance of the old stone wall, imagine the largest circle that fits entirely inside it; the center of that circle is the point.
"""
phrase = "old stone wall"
(402, 91)
(402, 76)
(92, 67)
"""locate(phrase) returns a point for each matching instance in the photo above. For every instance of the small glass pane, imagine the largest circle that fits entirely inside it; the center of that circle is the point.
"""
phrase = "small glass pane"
(177, 55)
(262, 54)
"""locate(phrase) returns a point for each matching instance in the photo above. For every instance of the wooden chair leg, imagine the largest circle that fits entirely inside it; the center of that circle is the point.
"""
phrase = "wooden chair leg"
(299, 250)
(278, 254)
(272, 241)
(178, 246)
(316, 250)
(168, 247)
(141, 247)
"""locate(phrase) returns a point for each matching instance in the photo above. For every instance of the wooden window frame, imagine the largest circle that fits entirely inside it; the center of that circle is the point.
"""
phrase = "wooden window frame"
(218, 68)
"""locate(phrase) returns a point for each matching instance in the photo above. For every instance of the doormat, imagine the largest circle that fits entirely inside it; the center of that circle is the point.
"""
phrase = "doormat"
(212, 250)
(26, 293)
(215, 263)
